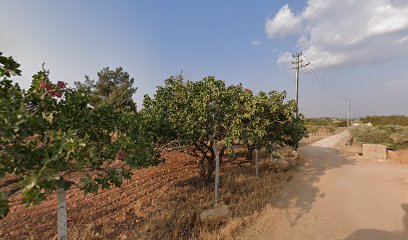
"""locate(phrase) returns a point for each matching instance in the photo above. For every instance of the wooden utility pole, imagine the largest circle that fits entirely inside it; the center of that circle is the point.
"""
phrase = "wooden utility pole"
(298, 65)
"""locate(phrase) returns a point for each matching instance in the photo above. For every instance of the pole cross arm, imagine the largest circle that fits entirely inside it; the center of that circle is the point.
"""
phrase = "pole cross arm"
(304, 65)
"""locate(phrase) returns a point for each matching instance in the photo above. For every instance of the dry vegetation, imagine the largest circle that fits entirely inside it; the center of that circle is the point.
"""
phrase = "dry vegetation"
(394, 137)
(161, 202)
(400, 156)
(319, 134)
(355, 149)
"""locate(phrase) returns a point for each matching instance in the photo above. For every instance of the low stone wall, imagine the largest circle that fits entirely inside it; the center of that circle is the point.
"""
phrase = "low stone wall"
(375, 151)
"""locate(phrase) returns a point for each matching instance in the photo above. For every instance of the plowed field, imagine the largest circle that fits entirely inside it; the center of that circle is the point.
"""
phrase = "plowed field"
(162, 202)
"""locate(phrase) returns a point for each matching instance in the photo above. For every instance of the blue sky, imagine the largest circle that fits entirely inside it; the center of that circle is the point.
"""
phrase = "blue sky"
(237, 41)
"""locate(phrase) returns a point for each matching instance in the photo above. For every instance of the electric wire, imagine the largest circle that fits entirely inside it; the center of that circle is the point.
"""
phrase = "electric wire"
(316, 75)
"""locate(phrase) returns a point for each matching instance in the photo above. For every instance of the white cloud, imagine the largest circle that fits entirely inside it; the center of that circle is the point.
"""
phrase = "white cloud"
(285, 58)
(402, 41)
(336, 33)
(283, 24)
(256, 43)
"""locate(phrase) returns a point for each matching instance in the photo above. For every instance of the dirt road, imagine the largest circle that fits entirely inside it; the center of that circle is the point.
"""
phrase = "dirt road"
(333, 197)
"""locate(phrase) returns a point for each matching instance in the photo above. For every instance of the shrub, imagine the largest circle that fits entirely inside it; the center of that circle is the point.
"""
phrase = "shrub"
(386, 120)
(369, 134)
(400, 138)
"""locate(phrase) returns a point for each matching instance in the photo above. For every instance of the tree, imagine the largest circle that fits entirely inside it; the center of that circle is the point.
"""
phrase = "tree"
(10, 97)
(113, 88)
(260, 120)
(50, 131)
(195, 116)
(191, 116)
(295, 130)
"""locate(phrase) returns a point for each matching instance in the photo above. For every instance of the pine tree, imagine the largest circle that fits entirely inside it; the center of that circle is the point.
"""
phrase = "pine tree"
(113, 88)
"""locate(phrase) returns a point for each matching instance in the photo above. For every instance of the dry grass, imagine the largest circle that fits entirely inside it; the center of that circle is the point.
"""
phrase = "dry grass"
(400, 156)
(177, 215)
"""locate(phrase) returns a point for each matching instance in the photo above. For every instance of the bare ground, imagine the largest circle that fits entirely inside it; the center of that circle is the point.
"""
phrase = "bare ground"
(335, 196)
(162, 202)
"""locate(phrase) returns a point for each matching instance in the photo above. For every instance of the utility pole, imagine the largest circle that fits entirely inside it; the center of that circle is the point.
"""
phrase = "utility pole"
(298, 65)
(348, 106)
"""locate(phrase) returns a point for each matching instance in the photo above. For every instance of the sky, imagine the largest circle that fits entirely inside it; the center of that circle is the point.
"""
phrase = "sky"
(357, 50)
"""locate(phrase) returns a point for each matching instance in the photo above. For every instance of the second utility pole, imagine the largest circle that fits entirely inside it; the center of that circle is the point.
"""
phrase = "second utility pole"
(348, 106)
(298, 65)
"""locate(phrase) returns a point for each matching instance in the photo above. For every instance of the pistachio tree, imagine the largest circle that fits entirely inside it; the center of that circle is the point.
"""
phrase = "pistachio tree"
(50, 131)
(260, 120)
(295, 130)
(192, 116)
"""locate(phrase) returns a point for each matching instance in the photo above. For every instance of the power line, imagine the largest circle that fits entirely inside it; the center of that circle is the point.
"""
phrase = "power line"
(314, 78)
(315, 74)
(322, 84)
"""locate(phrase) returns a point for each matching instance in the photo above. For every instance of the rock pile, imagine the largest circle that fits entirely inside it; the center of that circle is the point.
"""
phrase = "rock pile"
(283, 165)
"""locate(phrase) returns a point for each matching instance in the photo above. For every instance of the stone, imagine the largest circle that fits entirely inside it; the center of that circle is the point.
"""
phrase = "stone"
(281, 166)
(296, 155)
(97, 235)
(291, 161)
(375, 151)
(220, 214)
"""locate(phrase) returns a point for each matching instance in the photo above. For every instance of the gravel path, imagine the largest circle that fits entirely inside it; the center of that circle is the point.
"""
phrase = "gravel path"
(333, 197)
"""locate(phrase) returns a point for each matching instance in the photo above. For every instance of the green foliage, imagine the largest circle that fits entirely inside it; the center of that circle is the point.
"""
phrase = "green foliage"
(386, 120)
(186, 114)
(196, 115)
(113, 88)
(51, 131)
(4, 205)
(295, 131)
(260, 120)
(8, 67)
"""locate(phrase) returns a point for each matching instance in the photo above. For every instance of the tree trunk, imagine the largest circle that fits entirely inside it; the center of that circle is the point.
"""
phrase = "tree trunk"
(62, 214)
(222, 151)
(249, 153)
(210, 168)
(202, 167)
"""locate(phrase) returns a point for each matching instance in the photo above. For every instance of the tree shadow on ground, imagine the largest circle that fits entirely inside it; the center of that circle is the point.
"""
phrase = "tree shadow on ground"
(303, 192)
(375, 234)
(231, 165)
